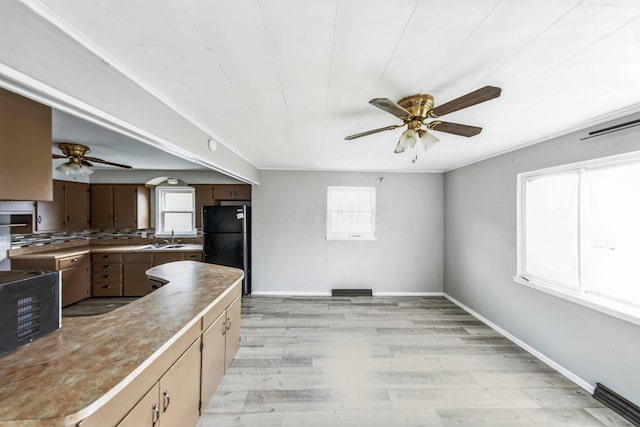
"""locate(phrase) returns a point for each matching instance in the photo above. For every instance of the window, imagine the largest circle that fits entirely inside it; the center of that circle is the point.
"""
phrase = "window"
(579, 233)
(175, 211)
(351, 213)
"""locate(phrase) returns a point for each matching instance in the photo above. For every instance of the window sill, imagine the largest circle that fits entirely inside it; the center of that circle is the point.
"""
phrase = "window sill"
(612, 308)
(353, 239)
(176, 236)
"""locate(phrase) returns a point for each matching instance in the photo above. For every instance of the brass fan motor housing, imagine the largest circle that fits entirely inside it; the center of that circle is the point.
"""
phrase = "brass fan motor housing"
(418, 105)
(73, 150)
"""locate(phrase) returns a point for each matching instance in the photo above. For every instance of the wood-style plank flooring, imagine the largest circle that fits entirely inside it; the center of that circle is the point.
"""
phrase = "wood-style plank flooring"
(386, 361)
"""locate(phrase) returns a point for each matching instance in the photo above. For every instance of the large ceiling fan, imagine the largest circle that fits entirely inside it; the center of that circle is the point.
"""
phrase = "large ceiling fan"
(415, 110)
(79, 163)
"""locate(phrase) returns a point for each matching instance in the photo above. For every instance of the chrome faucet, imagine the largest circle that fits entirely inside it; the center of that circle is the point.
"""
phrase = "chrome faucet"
(172, 241)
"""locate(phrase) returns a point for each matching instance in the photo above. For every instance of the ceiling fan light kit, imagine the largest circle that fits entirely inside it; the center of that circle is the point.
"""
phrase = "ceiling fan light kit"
(415, 110)
(78, 163)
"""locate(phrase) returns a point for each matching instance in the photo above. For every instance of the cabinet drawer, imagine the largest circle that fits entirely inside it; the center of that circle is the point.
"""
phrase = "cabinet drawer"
(138, 257)
(106, 267)
(70, 262)
(106, 289)
(107, 276)
(193, 256)
(106, 257)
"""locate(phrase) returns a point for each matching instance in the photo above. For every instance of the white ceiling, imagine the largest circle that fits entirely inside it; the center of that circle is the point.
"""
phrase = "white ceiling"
(282, 82)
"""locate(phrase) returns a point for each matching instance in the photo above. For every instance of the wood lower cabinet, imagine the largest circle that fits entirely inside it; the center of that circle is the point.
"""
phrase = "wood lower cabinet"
(135, 282)
(76, 279)
(180, 391)
(147, 412)
(220, 343)
(165, 257)
(106, 275)
(76, 274)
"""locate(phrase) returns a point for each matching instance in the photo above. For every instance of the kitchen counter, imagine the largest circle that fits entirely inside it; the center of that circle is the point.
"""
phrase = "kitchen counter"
(81, 250)
(73, 372)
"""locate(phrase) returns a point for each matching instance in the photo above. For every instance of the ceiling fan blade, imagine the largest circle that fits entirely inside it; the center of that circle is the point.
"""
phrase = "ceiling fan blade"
(97, 160)
(391, 107)
(58, 156)
(476, 97)
(85, 163)
(454, 128)
(370, 132)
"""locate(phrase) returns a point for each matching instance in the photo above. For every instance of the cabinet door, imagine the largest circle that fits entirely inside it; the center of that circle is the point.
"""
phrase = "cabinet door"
(25, 150)
(101, 206)
(233, 331)
(125, 202)
(50, 215)
(180, 390)
(146, 413)
(76, 205)
(76, 284)
(135, 282)
(242, 192)
(223, 192)
(204, 197)
(213, 353)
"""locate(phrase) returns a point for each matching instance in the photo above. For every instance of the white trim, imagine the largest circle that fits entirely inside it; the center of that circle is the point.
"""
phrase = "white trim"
(289, 294)
(561, 369)
(408, 294)
(604, 305)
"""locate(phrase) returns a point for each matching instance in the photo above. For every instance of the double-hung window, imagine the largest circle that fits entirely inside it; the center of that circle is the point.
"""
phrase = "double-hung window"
(351, 213)
(579, 233)
(175, 211)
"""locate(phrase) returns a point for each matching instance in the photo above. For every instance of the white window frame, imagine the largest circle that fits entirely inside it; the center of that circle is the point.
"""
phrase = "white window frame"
(160, 232)
(333, 235)
(621, 310)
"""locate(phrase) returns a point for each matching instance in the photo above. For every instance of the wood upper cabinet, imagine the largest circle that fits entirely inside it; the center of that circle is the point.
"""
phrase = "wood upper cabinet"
(119, 206)
(76, 205)
(232, 192)
(25, 148)
(69, 209)
(204, 197)
(50, 215)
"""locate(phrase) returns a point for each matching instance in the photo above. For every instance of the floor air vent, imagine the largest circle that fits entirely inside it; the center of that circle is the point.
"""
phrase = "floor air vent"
(618, 403)
(351, 292)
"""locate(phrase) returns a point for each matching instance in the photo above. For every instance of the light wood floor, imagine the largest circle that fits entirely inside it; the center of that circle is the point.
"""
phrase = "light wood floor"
(311, 362)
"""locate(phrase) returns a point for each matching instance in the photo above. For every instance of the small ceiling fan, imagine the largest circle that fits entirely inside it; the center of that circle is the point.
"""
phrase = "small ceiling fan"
(415, 110)
(79, 163)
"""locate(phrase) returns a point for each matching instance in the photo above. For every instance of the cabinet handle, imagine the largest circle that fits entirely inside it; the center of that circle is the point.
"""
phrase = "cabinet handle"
(106, 287)
(156, 415)
(106, 266)
(165, 400)
(229, 324)
(224, 327)
(106, 276)
(105, 256)
(75, 260)
(39, 219)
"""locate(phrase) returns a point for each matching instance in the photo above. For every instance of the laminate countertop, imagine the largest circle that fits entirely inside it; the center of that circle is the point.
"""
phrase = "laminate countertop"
(62, 378)
(81, 250)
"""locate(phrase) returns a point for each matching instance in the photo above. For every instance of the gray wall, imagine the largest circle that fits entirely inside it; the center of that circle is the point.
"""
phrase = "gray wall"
(290, 253)
(480, 261)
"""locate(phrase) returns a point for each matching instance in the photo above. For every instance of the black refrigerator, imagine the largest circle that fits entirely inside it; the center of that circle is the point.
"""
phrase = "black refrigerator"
(227, 238)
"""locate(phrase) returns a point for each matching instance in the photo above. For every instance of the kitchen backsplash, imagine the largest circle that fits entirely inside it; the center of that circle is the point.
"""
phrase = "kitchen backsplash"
(41, 239)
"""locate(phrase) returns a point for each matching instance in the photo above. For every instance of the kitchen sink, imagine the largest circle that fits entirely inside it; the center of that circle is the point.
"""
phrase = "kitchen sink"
(170, 246)
(165, 246)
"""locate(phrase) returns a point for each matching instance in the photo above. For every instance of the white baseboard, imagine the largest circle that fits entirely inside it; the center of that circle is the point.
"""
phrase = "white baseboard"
(408, 294)
(290, 294)
(561, 369)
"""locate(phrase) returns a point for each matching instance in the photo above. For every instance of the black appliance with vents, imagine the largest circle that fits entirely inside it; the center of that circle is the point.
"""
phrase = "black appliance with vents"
(227, 238)
(29, 306)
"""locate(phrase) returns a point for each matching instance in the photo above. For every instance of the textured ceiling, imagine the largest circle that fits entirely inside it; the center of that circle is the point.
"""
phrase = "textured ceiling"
(282, 82)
